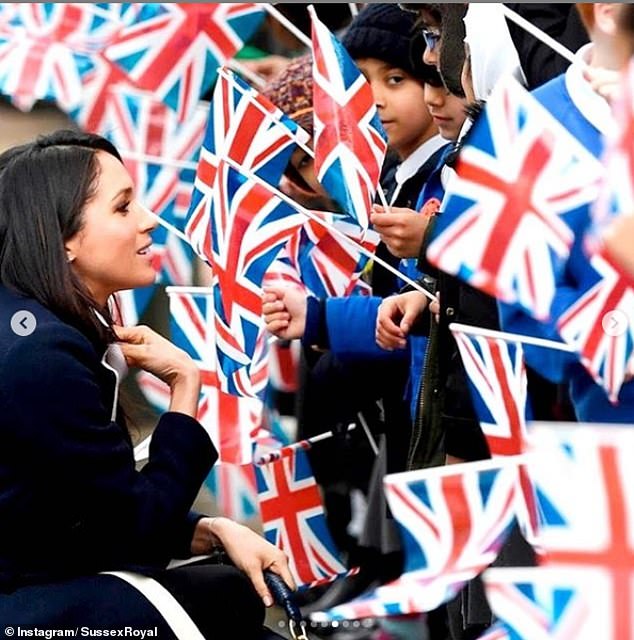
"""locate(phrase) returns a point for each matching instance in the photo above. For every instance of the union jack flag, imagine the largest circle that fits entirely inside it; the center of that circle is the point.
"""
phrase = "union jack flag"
(350, 143)
(503, 224)
(231, 485)
(548, 603)
(250, 227)
(600, 325)
(229, 420)
(234, 490)
(237, 225)
(247, 128)
(497, 380)
(453, 521)
(174, 49)
(398, 598)
(583, 478)
(98, 83)
(321, 262)
(46, 47)
(293, 518)
(176, 255)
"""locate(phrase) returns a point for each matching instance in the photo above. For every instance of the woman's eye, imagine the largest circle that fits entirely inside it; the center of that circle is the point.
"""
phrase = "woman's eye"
(124, 208)
(395, 79)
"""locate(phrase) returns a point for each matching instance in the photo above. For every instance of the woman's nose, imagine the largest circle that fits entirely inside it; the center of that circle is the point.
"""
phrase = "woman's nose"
(148, 219)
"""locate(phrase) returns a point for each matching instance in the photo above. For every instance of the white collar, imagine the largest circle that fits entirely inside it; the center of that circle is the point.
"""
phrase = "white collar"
(415, 161)
(113, 360)
(593, 107)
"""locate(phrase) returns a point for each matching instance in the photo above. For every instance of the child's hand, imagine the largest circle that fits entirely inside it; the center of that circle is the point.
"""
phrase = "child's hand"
(401, 229)
(284, 312)
(395, 318)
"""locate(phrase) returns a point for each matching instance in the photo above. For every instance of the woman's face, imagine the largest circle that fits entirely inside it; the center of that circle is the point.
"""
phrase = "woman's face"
(112, 250)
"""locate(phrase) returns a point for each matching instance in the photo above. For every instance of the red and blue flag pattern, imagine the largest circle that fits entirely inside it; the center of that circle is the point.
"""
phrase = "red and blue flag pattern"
(230, 420)
(497, 381)
(600, 325)
(322, 262)
(46, 48)
(583, 478)
(520, 178)
(547, 604)
(174, 49)
(239, 225)
(293, 518)
(350, 143)
(453, 521)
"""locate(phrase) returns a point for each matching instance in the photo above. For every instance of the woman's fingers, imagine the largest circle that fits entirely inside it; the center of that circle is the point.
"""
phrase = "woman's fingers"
(257, 578)
(134, 354)
(133, 335)
(281, 568)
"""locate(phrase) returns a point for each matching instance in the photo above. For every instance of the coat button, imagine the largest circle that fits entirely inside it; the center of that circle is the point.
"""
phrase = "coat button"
(450, 311)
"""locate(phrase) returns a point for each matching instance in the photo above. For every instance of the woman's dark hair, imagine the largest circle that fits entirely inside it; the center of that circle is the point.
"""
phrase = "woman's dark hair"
(44, 187)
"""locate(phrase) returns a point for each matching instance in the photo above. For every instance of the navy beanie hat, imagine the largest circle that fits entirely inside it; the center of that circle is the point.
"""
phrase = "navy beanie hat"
(387, 32)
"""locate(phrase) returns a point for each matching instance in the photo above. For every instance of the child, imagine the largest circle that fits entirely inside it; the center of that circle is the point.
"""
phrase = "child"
(380, 41)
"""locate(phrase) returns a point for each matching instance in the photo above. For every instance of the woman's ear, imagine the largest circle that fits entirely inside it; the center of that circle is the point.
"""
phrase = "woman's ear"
(71, 247)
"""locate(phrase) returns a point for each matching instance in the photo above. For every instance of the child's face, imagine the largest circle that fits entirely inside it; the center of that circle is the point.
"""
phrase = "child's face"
(447, 110)
(303, 187)
(433, 33)
(400, 102)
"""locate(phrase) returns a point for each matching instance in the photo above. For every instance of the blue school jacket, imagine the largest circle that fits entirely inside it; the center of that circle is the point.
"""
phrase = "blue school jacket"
(71, 501)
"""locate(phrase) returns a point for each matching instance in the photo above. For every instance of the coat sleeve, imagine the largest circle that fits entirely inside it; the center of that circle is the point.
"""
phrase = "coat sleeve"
(351, 325)
(108, 512)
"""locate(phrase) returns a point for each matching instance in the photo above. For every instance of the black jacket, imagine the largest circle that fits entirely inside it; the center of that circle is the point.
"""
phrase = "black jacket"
(445, 420)
(71, 501)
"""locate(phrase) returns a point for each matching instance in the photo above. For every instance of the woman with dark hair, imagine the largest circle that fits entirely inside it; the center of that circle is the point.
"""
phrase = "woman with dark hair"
(72, 505)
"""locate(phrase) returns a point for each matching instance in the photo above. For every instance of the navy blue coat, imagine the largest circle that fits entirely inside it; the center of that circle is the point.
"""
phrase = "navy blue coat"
(71, 501)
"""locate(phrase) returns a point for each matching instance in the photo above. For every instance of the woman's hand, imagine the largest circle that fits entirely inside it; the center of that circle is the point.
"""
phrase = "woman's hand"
(249, 551)
(146, 349)
(395, 318)
(284, 312)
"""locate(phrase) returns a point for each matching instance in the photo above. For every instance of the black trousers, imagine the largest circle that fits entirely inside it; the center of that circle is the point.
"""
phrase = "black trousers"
(219, 599)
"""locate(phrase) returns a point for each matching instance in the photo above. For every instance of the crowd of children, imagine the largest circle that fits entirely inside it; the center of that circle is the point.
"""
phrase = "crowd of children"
(431, 68)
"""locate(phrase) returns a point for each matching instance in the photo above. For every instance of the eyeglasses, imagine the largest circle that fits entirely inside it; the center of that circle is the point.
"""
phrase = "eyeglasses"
(432, 38)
